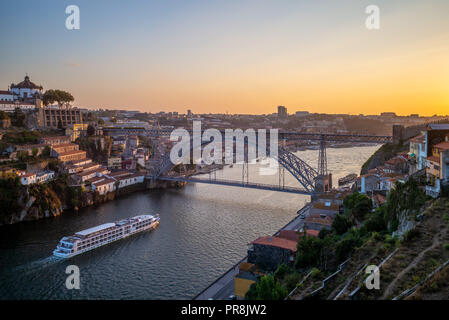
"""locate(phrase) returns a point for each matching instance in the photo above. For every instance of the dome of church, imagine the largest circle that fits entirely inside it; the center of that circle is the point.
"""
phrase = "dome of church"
(26, 84)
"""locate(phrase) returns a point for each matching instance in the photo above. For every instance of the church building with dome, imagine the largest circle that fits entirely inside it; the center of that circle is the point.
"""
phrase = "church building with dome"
(25, 91)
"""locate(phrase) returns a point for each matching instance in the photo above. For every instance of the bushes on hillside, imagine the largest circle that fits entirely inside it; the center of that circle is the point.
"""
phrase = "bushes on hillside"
(357, 205)
(315, 252)
(267, 288)
(405, 197)
(375, 222)
(341, 224)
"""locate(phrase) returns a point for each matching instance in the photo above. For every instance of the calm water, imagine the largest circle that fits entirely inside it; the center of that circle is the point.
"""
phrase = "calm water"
(204, 230)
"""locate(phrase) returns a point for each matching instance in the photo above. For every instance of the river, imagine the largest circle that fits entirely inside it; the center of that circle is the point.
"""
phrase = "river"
(204, 230)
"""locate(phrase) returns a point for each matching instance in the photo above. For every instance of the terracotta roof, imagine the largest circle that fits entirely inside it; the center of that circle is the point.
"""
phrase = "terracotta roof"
(134, 175)
(122, 173)
(5, 92)
(90, 165)
(71, 153)
(442, 145)
(31, 146)
(434, 159)
(56, 137)
(77, 162)
(322, 206)
(104, 182)
(96, 179)
(332, 195)
(323, 221)
(86, 173)
(380, 198)
(419, 139)
(310, 233)
(289, 235)
(395, 160)
(26, 175)
(277, 242)
(62, 145)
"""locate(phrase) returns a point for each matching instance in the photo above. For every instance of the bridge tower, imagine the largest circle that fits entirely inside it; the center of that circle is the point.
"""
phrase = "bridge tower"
(322, 158)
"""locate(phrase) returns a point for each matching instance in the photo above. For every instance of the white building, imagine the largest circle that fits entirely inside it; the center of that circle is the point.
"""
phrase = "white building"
(6, 96)
(45, 176)
(26, 90)
(28, 178)
(25, 95)
(127, 178)
(104, 186)
(130, 180)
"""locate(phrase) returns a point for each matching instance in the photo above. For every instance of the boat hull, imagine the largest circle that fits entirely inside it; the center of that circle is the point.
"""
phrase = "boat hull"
(70, 255)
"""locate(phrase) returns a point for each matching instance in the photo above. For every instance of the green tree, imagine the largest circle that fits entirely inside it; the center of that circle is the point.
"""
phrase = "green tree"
(347, 245)
(18, 118)
(267, 288)
(51, 96)
(46, 152)
(35, 151)
(357, 205)
(281, 271)
(404, 197)
(375, 222)
(90, 130)
(314, 252)
(22, 155)
(341, 224)
(3, 115)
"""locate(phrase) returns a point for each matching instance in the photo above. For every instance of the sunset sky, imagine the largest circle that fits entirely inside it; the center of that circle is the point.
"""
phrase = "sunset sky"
(245, 56)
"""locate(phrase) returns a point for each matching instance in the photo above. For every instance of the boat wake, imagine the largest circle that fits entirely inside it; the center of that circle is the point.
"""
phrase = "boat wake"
(37, 265)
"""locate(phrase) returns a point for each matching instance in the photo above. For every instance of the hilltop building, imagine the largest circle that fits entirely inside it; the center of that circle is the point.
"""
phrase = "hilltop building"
(28, 96)
(282, 112)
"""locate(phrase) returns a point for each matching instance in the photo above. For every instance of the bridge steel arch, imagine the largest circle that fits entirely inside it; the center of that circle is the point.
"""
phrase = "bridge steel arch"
(298, 168)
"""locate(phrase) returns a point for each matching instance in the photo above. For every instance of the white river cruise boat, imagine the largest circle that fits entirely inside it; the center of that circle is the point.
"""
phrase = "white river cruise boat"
(98, 236)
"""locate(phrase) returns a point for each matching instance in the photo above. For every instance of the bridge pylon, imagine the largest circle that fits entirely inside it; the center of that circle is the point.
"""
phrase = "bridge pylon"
(322, 158)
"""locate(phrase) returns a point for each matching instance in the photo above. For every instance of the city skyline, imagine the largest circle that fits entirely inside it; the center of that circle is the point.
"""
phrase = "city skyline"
(237, 57)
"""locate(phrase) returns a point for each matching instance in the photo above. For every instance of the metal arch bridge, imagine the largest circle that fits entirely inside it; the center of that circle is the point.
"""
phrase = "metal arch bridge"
(299, 169)
(303, 173)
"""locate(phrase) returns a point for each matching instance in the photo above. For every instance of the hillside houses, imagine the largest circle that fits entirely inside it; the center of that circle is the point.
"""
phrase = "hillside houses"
(428, 155)
(430, 152)
(126, 153)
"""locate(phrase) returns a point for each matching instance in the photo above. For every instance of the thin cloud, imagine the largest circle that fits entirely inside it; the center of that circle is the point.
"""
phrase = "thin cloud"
(72, 64)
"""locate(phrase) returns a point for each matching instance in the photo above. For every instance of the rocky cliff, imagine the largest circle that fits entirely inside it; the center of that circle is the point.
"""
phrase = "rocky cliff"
(30, 203)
